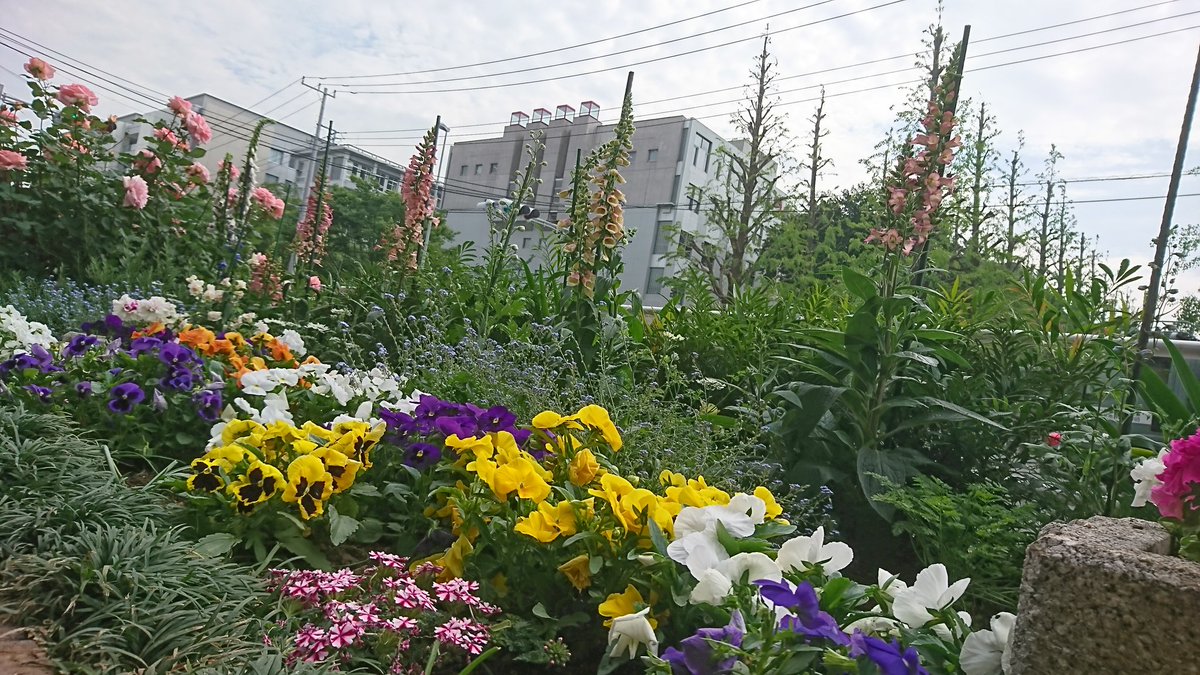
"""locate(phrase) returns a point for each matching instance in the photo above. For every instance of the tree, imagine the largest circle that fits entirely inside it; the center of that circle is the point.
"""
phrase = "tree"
(742, 201)
(1045, 239)
(1016, 206)
(789, 255)
(362, 215)
(979, 156)
(813, 163)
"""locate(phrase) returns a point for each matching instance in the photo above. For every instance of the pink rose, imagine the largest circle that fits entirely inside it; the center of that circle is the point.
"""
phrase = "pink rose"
(147, 162)
(8, 117)
(314, 282)
(164, 134)
(180, 106)
(12, 161)
(198, 173)
(197, 128)
(39, 69)
(136, 192)
(77, 95)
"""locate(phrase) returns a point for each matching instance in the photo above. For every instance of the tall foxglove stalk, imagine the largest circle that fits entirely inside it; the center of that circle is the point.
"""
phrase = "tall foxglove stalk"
(311, 232)
(404, 241)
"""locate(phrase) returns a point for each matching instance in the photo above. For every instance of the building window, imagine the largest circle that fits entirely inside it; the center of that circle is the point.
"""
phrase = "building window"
(666, 212)
(272, 178)
(526, 242)
(662, 238)
(693, 199)
(493, 167)
(654, 281)
(478, 169)
(391, 185)
(632, 157)
(463, 170)
(277, 157)
(701, 152)
(652, 155)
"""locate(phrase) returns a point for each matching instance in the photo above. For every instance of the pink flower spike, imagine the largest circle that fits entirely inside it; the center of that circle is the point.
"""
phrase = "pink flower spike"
(314, 282)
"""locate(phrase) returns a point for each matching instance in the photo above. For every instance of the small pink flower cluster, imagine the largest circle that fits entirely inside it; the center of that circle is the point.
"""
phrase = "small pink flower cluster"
(147, 162)
(197, 127)
(310, 234)
(405, 240)
(350, 616)
(264, 280)
(917, 187)
(1179, 478)
(268, 202)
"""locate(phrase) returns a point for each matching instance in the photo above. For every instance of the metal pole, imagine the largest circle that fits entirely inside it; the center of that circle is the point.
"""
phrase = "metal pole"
(311, 173)
(442, 161)
(1150, 307)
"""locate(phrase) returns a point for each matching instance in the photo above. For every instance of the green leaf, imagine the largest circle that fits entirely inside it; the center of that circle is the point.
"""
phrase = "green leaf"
(876, 467)
(216, 545)
(919, 358)
(539, 610)
(657, 537)
(340, 527)
(722, 421)
(858, 284)
(967, 414)
(1170, 409)
(1183, 371)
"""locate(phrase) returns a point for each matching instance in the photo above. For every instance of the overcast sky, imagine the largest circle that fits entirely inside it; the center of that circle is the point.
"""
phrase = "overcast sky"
(1112, 111)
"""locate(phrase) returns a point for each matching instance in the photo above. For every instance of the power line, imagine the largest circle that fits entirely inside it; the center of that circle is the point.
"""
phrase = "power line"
(862, 77)
(353, 88)
(548, 51)
(619, 52)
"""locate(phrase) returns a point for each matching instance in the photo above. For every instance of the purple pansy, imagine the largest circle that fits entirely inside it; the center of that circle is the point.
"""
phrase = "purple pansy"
(890, 657)
(124, 398)
(144, 345)
(176, 355)
(208, 404)
(43, 393)
(696, 655)
(78, 345)
(422, 455)
(179, 379)
(807, 618)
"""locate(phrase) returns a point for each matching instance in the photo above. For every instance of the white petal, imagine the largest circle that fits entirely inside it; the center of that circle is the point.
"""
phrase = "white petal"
(910, 608)
(953, 593)
(692, 520)
(932, 581)
(1002, 625)
(890, 584)
(981, 654)
(835, 556)
(712, 588)
(754, 565)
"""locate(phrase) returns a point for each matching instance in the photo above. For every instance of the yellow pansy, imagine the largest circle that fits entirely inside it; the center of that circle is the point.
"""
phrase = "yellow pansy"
(549, 522)
(357, 439)
(773, 507)
(342, 468)
(597, 418)
(319, 432)
(584, 468)
(481, 448)
(207, 470)
(454, 560)
(259, 484)
(237, 429)
(670, 478)
(697, 493)
(308, 485)
(524, 477)
(612, 487)
(500, 584)
(549, 419)
(276, 438)
(621, 604)
(578, 571)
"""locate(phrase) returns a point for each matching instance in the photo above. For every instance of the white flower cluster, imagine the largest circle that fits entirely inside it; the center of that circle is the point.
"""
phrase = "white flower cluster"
(210, 293)
(293, 341)
(156, 309)
(697, 547)
(17, 334)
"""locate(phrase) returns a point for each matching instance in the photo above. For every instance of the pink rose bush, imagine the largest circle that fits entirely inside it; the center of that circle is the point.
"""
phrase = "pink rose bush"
(77, 95)
(386, 611)
(39, 69)
(12, 161)
(137, 193)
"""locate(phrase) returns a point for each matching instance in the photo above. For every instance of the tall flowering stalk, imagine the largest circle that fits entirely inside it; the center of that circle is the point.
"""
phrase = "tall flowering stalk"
(595, 227)
(917, 187)
(311, 232)
(405, 240)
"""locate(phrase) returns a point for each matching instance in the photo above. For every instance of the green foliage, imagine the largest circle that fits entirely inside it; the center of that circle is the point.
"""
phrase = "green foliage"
(83, 554)
(978, 531)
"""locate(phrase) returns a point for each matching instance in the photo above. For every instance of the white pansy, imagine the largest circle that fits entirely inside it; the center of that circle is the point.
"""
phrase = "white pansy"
(712, 588)
(696, 544)
(293, 341)
(813, 550)
(983, 651)
(195, 286)
(1145, 477)
(212, 294)
(630, 632)
(18, 335)
(156, 309)
(214, 316)
(259, 382)
(874, 625)
(931, 592)
(890, 584)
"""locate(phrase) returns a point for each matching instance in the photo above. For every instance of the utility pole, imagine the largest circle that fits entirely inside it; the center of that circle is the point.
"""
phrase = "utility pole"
(310, 175)
(320, 186)
(1150, 306)
(442, 161)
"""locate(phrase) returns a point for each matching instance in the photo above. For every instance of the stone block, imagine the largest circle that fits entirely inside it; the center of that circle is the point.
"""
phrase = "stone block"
(1102, 596)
